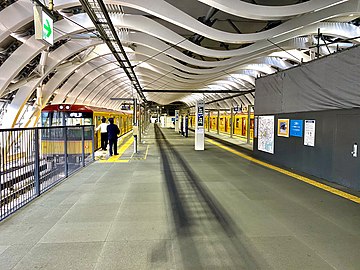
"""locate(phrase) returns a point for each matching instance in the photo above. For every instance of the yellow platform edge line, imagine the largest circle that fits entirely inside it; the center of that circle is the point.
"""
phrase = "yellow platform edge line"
(114, 161)
(146, 152)
(291, 174)
(125, 146)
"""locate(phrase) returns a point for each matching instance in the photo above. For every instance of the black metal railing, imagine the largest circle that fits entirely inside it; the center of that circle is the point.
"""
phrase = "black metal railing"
(32, 160)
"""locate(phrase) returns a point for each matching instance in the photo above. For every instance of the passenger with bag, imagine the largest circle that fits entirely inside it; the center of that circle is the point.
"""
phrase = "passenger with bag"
(112, 130)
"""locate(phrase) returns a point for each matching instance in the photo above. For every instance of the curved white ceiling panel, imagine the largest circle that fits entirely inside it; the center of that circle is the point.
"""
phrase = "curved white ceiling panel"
(171, 14)
(261, 12)
(171, 48)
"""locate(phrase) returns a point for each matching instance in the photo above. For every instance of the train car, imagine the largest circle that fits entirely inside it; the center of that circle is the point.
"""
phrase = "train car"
(73, 116)
(239, 123)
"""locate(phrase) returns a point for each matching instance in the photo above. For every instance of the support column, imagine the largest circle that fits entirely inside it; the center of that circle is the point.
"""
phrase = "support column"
(248, 125)
(176, 121)
(199, 126)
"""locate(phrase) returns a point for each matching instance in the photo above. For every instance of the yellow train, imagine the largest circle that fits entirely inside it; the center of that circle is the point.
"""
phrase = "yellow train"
(73, 116)
(240, 123)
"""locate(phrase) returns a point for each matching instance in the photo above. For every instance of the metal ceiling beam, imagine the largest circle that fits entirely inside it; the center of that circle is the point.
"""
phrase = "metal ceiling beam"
(98, 14)
(199, 91)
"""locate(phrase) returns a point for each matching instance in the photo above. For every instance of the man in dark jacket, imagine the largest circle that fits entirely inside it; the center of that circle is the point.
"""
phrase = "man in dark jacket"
(112, 131)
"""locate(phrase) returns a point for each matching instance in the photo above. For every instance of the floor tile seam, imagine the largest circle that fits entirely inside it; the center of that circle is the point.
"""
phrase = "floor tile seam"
(68, 210)
(114, 218)
(25, 254)
(314, 250)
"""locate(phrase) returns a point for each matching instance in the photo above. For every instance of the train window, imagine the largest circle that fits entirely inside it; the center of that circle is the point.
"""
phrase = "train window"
(45, 119)
(56, 119)
(237, 123)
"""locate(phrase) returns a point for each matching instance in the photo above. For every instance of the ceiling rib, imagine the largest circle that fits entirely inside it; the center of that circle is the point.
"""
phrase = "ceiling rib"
(97, 12)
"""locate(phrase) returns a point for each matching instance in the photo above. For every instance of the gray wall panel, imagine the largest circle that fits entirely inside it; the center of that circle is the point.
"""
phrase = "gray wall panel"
(329, 150)
(328, 83)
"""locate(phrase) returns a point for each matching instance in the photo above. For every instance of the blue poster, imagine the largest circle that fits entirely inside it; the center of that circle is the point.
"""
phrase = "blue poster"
(296, 128)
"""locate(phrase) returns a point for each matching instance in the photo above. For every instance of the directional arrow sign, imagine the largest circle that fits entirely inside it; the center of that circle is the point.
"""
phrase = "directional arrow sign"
(47, 28)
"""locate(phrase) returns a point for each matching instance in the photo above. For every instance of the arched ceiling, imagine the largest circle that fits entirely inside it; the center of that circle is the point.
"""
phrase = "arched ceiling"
(180, 50)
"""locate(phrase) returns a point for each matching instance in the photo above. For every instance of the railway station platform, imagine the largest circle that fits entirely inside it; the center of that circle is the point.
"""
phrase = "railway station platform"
(171, 207)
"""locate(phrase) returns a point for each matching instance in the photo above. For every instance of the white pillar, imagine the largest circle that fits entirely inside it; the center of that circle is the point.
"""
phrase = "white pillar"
(199, 126)
(176, 120)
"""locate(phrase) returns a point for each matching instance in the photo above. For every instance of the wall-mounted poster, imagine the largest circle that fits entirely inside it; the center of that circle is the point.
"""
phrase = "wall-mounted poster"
(266, 131)
(283, 127)
(309, 134)
(296, 128)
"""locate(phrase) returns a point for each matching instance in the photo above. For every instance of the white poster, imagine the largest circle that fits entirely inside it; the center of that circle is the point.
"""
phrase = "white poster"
(266, 130)
(309, 134)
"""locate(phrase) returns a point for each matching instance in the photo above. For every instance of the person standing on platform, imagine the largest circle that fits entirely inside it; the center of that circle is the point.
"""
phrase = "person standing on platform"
(112, 131)
(103, 133)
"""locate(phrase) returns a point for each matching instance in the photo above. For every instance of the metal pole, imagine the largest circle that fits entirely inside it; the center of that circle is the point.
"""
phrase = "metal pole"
(231, 122)
(135, 127)
(37, 164)
(209, 121)
(83, 146)
(248, 125)
(318, 43)
(93, 142)
(218, 123)
(65, 153)
(140, 124)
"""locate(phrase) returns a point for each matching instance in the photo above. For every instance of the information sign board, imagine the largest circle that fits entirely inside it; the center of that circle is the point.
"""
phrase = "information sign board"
(296, 128)
(44, 26)
(309, 134)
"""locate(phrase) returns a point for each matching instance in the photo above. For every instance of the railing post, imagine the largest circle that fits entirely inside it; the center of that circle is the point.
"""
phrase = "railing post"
(83, 145)
(65, 152)
(37, 163)
(218, 122)
(93, 142)
(231, 122)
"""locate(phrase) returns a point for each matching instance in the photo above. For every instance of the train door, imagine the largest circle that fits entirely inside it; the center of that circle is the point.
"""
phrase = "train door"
(237, 127)
(226, 124)
(252, 128)
(221, 124)
(243, 126)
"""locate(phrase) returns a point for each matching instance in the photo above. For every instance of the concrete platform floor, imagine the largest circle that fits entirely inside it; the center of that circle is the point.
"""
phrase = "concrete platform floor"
(182, 209)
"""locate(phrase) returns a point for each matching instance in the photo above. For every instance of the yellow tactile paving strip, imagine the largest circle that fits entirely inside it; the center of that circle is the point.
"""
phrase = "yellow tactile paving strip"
(291, 174)
(121, 151)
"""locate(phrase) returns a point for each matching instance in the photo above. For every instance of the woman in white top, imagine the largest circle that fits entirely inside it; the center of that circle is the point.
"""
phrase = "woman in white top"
(103, 132)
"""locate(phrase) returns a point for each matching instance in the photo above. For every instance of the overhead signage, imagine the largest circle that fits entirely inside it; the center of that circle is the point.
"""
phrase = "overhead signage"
(44, 26)
(125, 107)
(296, 128)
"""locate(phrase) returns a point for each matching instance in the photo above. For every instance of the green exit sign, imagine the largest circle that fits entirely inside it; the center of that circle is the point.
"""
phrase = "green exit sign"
(44, 26)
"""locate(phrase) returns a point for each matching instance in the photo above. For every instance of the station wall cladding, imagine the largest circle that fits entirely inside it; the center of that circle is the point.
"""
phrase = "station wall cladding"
(326, 90)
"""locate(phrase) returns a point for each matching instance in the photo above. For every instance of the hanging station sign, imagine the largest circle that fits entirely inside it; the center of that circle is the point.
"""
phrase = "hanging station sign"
(44, 26)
